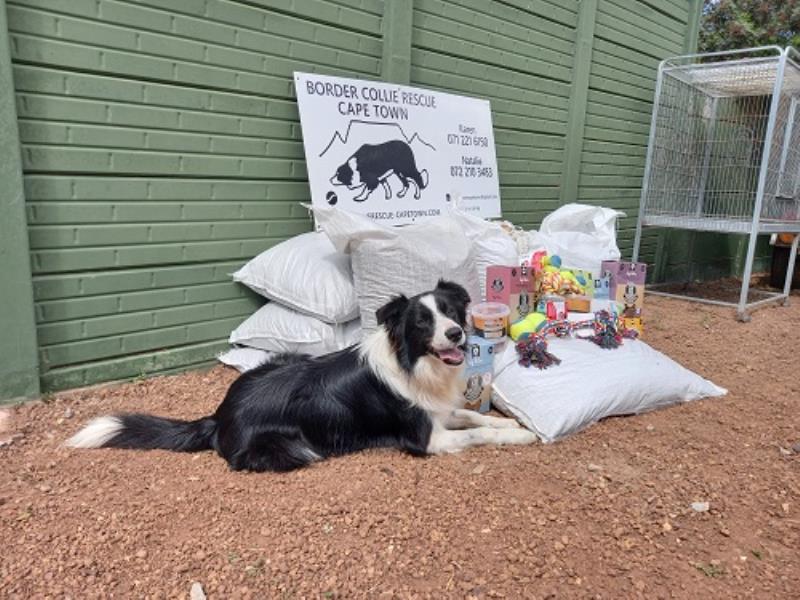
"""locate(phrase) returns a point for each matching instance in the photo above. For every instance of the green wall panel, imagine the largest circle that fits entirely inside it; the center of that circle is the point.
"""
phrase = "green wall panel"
(161, 149)
(519, 56)
(19, 364)
(631, 38)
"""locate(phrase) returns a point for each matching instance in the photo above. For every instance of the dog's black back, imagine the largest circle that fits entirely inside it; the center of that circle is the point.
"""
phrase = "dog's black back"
(280, 418)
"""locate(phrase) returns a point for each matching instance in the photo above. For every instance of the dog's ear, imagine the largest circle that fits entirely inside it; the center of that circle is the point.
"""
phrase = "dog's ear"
(454, 290)
(389, 314)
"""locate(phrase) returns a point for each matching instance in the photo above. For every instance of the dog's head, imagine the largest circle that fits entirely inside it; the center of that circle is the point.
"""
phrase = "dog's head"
(347, 174)
(432, 323)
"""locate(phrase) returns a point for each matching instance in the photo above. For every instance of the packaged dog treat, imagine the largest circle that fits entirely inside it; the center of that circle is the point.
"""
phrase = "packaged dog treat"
(512, 286)
(478, 389)
(479, 373)
(626, 286)
(602, 285)
(490, 320)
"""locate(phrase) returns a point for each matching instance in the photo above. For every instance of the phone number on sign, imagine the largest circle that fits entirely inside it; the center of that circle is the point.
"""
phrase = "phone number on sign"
(455, 139)
(471, 172)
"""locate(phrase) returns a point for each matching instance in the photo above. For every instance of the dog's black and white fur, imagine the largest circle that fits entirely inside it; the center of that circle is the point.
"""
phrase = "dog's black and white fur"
(399, 388)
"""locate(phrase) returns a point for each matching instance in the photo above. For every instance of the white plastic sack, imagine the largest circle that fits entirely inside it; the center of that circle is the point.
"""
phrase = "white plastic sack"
(276, 328)
(409, 260)
(582, 235)
(491, 245)
(591, 383)
(307, 274)
(244, 359)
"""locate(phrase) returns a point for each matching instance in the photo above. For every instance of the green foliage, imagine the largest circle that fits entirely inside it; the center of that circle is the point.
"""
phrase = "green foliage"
(733, 24)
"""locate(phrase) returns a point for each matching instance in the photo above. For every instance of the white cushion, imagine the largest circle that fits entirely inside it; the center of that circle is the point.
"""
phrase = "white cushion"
(591, 383)
(307, 274)
(491, 245)
(409, 260)
(276, 328)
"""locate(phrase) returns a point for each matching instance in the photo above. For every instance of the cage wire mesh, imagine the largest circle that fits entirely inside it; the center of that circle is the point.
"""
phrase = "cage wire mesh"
(708, 146)
(724, 153)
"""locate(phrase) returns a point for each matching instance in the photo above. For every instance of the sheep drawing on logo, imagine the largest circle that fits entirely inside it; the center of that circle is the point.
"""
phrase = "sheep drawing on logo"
(372, 164)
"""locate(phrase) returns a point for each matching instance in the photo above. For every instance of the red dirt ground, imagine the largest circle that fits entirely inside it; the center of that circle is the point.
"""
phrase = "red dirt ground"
(604, 514)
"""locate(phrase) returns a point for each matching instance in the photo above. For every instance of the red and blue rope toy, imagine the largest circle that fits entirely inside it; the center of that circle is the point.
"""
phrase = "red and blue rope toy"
(609, 332)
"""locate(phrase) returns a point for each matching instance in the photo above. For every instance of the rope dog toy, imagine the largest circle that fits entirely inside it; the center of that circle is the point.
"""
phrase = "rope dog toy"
(608, 333)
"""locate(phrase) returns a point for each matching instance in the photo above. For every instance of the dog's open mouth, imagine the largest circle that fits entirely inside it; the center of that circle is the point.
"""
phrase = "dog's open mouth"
(451, 356)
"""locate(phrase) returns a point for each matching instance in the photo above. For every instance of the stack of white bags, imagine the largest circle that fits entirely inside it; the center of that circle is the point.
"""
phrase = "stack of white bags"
(313, 306)
(317, 300)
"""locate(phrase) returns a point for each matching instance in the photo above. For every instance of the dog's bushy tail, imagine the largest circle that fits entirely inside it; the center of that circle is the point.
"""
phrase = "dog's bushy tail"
(146, 432)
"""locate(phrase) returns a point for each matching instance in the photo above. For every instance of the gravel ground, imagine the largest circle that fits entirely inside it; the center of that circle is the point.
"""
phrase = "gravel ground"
(605, 514)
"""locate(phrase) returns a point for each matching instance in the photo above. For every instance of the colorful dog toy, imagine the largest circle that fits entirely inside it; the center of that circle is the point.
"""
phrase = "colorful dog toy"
(555, 280)
(609, 333)
(527, 326)
(533, 352)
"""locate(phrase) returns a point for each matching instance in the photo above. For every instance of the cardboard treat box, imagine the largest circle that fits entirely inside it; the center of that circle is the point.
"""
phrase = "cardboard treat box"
(479, 373)
(602, 285)
(478, 389)
(626, 286)
(512, 286)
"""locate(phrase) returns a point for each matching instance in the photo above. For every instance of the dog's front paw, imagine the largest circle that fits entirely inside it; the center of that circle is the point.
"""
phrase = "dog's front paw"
(517, 436)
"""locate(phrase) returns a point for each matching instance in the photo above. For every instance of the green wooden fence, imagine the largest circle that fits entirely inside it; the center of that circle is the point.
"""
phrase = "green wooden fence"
(160, 148)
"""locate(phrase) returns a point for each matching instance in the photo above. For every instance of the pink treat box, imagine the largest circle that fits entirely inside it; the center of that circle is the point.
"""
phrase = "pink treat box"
(512, 286)
(626, 285)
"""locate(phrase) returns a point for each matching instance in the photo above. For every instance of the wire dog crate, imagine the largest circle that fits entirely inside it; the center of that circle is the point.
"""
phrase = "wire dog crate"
(724, 151)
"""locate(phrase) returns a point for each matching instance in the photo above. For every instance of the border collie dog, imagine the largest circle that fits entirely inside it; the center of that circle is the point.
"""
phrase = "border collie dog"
(401, 387)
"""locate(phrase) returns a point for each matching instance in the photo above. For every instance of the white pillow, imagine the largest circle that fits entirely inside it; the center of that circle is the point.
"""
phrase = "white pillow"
(591, 383)
(307, 274)
(490, 243)
(410, 260)
(276, 328)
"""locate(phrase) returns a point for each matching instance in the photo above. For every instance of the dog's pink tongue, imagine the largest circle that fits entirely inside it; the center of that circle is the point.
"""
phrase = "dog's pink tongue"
(453, 354)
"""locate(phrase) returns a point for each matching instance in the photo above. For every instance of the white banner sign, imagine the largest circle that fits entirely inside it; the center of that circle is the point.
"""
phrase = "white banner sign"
(396, 153)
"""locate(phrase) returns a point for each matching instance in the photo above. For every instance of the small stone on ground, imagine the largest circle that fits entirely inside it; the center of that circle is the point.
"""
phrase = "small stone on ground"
(196, 592)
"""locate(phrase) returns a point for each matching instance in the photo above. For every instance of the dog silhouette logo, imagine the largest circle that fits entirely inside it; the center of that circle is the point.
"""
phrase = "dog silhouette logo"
(372, 164)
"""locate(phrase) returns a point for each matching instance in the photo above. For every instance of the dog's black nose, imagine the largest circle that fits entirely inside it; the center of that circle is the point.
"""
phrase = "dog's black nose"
(454, 334)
